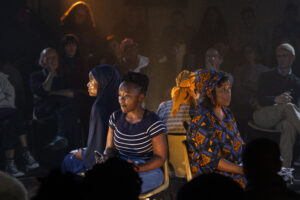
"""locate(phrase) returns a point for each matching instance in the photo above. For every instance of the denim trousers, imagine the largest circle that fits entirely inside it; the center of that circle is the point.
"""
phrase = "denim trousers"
(150, 179)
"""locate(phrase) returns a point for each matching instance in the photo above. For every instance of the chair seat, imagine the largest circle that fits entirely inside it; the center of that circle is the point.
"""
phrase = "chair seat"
(161, 188)
(254, 126)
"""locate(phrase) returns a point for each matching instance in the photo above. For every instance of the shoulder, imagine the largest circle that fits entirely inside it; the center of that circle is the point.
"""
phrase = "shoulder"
(116, 115)
(151, 117)
(165, 105)
(154, 123)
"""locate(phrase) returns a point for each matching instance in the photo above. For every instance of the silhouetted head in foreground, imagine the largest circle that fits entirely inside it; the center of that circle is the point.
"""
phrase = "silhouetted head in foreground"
(261, 159)
(114, 179)
(210, 187)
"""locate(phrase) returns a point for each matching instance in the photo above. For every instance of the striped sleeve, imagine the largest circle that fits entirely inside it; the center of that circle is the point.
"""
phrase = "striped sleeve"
(157, 128)
(112, 120)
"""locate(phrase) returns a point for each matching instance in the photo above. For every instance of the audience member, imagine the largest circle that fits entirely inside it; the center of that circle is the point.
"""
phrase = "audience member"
(174, 115)
(214, 141)
(261, 163)
(79, 20)
(212, 30)
(75, 71)
(138, 134)
(131, 59)
(11, 188)
(278, 97)
(246, 83)
(178, 110)
(133, 25)
(13, 130)
(53, 100)
(114, 179)
(15, 78)
(113, 54)
(104, 83)
(230, 58)
(214, 61)
(211, 187)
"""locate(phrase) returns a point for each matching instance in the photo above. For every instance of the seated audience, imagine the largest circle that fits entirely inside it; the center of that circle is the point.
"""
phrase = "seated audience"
(178, 110)
(214, 141)
(131, 59)
(11, 188)
(278, 97)
(12, 130)
(117, 180)
(261, 163)
(113, 55)
(211, 187)
(53, 100)
(245, 87)
(174, 115)
(213, 60)
(137, 133)
(104, 83)
(75, 70)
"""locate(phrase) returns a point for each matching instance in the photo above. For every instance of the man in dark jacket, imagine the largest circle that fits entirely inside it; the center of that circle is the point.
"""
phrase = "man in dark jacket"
(278, 94)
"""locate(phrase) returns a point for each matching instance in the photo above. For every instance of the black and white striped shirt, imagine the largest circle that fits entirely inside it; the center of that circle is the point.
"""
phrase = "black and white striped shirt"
(134, 140)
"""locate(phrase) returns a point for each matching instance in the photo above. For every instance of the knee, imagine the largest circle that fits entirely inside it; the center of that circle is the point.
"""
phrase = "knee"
(289, 107)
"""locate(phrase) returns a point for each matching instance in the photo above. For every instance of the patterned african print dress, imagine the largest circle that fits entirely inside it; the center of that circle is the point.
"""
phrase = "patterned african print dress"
(210, 139)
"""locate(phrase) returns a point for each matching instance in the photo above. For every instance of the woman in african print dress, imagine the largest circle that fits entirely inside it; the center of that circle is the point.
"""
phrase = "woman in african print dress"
(215, 144)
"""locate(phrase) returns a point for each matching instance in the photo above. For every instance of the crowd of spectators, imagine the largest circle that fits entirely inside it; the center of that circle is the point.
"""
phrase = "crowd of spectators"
(49, 77)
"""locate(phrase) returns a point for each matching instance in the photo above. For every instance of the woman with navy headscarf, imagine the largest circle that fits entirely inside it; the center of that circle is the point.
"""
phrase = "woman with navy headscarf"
(103, 83)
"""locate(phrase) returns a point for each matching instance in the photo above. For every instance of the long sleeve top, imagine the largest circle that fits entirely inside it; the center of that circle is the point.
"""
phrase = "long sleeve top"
(211, 139)
(273, 83)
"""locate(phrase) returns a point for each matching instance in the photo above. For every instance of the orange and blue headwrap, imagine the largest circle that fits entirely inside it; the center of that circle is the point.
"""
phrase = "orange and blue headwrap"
(206, 80)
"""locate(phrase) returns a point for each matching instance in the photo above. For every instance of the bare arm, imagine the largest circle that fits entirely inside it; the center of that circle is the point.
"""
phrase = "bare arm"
(110, 139)
(227, 166)
(159, 144)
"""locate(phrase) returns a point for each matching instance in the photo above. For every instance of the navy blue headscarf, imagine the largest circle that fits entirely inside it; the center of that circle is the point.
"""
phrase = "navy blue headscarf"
(105, 104)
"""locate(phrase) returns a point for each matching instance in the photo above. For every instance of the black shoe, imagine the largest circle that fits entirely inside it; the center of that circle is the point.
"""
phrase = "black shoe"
(29, 161)
(11, 168)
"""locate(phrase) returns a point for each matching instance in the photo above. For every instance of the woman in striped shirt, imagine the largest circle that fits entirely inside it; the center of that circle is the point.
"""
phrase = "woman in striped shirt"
(138, 134)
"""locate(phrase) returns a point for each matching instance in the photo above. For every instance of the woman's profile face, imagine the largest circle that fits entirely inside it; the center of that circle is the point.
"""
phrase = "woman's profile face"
(130, 97)
(223, 94)
(92, 86)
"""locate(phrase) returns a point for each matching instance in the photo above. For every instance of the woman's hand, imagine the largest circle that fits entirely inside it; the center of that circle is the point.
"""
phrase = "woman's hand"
(77, 153)
(136, 167)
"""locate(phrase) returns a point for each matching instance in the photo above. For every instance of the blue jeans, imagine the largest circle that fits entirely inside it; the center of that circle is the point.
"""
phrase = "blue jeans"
(150, 179)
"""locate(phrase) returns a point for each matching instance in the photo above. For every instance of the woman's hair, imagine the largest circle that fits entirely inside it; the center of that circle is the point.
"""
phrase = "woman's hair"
(68, 39)
(206, 101)
(138, 79)
(68, 18)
